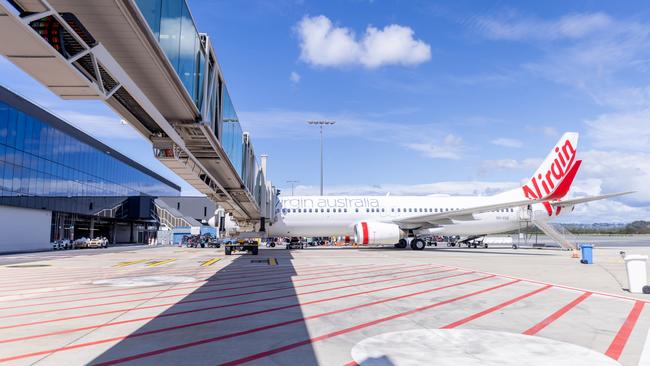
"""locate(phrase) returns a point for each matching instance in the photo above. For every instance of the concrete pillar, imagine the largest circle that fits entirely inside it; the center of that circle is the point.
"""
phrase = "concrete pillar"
(131, 236)
(92, 228)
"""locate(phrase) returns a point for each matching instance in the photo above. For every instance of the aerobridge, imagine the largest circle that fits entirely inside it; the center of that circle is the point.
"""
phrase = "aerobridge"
(146, 60)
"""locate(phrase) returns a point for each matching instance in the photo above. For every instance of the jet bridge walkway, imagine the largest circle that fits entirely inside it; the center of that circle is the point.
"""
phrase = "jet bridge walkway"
(163, 79)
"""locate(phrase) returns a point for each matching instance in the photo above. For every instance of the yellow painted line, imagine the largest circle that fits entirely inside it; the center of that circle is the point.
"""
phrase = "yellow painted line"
(124, 264)
(160, 263)
(210, 262)
(273, 262)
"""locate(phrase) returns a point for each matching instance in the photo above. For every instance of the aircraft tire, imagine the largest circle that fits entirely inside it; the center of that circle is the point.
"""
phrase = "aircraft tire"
(418, 244)
(401, 244)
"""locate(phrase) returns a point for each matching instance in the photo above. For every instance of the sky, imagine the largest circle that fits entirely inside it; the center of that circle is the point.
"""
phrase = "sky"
(462, 97)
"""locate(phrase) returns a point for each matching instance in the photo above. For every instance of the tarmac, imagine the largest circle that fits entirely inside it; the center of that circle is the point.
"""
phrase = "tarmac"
(321, 306)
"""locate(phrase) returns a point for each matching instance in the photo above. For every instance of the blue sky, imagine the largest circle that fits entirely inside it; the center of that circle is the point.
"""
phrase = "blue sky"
(459, 97)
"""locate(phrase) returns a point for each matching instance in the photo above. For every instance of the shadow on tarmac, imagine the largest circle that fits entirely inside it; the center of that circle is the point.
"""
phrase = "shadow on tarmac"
(243, 309)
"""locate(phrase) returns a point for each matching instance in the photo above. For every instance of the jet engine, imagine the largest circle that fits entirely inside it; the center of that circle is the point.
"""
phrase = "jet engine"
(375, 233)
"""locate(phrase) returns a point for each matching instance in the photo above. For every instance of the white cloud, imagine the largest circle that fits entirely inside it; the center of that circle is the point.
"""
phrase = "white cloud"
(294, 77)
(571, 26)
(621, 130)
(431, 140)
(507, 142)
(324, 44)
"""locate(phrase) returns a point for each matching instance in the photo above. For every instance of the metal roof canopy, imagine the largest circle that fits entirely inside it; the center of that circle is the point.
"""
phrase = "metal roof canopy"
(127, 69)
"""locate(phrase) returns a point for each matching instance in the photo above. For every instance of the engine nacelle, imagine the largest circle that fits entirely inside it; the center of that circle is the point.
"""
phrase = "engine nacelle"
(374, 233)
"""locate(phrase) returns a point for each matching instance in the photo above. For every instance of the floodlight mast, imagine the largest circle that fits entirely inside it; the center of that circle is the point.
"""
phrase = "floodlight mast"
(320, 124)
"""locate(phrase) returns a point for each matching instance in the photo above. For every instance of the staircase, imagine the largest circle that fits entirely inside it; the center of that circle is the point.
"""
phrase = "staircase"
(171, 217)
(558, 233)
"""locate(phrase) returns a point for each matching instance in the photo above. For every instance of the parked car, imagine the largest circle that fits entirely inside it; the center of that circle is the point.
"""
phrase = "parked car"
(81, 242)
(100, 242)
(62, 244)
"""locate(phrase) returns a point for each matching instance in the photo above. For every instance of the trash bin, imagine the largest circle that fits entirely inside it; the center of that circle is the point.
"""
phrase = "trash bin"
(587, 251)
(637, 277)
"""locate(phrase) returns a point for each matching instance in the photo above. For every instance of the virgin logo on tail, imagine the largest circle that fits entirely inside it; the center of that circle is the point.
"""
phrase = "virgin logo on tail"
(552, 178)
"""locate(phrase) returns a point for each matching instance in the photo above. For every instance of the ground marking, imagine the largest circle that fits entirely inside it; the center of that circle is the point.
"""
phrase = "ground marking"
(160, 263)
(616, 348)
(210, 262)
(124, 264)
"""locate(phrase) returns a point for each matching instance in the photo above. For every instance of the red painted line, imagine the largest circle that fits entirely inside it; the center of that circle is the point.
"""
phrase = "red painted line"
(214, 276)
(138, 273)
(557, 285)
(177, 295)
(494, 308)
(351, 363)
(191, 301)
(164, 315)
(164, 290)
(618, 344)
(229, 335)
(553, 317)
(326, 336)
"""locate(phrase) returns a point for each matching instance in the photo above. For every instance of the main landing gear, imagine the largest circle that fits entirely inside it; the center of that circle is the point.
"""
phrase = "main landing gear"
(416, 244)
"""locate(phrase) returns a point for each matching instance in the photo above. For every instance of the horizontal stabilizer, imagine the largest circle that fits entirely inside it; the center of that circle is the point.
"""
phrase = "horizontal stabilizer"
(575, 201)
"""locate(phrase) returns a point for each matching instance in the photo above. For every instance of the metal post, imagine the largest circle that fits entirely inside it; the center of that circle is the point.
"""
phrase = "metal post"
(320, 124)
(321, 160)
(292, 182)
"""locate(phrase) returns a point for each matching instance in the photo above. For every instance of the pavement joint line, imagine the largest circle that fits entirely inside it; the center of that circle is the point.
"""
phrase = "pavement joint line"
(252, 301)
(248, 331)
(323, 337)
(494, 308)
(144, 271)
(556, 315)
(618, 343)
(175, 303)
(158, 292)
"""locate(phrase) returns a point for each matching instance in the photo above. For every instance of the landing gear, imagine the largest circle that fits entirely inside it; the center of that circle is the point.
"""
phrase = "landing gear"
(418, 244)
(401, 244)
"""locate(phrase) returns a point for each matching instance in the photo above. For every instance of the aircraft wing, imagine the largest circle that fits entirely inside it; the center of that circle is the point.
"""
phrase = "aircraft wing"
(464, 214)
(575, 201)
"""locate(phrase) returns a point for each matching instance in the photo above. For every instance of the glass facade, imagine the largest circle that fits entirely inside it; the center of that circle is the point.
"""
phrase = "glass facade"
(172, 24)
(38, 159)
(232, 137)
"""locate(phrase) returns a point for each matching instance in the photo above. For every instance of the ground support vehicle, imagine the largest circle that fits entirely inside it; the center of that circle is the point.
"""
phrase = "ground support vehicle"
(247, 245)
(295, 243)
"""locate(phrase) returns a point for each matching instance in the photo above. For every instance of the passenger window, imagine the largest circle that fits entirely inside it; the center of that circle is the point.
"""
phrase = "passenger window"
(328, 210)
(382, 210)
(356, 210)
(392, 210)
(345, 210)
(340, 210)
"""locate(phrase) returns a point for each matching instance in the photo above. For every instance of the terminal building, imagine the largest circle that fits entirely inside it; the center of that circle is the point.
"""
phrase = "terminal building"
(147, 61)
(56, 182)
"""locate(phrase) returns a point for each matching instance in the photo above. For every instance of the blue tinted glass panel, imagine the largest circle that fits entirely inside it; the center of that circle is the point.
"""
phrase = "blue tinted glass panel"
(151, 11)
(170, 29)
(187, 59)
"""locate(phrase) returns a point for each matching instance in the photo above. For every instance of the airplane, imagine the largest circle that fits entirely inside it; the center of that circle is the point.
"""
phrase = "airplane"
(403, 220)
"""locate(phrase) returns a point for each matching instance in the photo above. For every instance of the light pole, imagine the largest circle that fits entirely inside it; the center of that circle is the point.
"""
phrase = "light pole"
(292, 182)
(321, 123)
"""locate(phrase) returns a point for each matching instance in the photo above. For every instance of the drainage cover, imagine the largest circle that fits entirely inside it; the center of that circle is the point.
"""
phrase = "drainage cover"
(452, 347)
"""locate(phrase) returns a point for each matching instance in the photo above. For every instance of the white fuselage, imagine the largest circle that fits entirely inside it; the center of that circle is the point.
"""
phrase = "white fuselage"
(337, 215)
